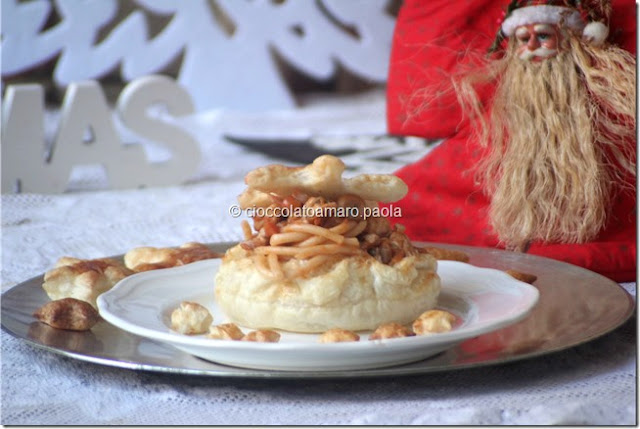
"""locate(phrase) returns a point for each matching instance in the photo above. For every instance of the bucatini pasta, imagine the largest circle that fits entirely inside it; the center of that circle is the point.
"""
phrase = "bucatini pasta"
(304, 238)
(306, 242)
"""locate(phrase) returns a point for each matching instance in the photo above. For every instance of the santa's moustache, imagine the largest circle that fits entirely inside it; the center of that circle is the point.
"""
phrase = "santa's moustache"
(561, 133)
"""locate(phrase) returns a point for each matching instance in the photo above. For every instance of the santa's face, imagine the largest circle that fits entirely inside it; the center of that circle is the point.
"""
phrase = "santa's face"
(537, 42)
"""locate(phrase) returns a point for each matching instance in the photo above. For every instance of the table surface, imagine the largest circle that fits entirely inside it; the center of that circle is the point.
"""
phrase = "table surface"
(592, 384)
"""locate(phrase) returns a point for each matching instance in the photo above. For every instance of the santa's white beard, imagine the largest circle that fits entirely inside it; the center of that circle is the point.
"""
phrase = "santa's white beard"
(549, 180)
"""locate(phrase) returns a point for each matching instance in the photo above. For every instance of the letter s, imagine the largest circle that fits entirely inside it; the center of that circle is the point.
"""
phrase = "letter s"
(133, 108)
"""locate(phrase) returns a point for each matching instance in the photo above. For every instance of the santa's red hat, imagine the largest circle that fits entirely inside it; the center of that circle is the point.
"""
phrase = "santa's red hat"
(590, 17)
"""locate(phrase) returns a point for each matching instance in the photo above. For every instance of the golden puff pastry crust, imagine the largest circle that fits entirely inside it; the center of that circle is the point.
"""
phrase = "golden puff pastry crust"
(83, 279)
(355, 293)
(153, 258)
(321, 178)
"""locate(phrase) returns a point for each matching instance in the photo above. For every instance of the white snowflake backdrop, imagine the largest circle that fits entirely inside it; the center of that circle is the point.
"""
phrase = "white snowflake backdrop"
(220, 70)
(225, 52)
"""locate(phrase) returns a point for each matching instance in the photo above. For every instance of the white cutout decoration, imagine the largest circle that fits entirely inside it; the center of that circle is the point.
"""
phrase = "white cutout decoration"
(87, 135)
(219, 70)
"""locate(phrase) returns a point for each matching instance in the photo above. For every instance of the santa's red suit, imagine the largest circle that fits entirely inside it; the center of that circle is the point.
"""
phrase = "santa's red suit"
(444, 203)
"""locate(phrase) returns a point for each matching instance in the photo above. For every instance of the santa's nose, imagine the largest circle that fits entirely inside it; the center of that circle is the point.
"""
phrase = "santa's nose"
(533, 43)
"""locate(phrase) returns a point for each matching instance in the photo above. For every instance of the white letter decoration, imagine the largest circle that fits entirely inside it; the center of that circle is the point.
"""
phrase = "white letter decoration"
(29, 166)
(219, 70)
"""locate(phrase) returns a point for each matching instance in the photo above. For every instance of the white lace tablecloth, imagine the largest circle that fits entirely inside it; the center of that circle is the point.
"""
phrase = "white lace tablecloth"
(593, 384)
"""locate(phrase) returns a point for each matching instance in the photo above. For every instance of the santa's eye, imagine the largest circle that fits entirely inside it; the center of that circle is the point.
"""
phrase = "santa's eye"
(544, 36)
(523, 34)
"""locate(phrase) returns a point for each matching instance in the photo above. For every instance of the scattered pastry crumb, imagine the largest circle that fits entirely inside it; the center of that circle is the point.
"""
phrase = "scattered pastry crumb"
(68, 313)
(523, 277)
(390, 330)
(191, 319)
(445, 254)
(154, 258)
(262, 336)
(338, 336)
(226, 331)
(433, 322)
(83, 279)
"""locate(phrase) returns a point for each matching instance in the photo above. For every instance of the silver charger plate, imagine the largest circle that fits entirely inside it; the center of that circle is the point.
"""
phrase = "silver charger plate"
(575, 306)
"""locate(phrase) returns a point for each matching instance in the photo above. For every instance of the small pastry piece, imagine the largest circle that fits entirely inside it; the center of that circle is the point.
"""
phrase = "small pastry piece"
(226, 331)
(445, 254)
(390, 330)
(191, 318)
(83, 279)
(338, 335)
(153, 258)
(433, 322)
(523, 277)
(262, 336)
(68, 313)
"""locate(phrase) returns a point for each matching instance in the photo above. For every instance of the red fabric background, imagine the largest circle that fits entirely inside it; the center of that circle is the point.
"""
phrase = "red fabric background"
(444, 204)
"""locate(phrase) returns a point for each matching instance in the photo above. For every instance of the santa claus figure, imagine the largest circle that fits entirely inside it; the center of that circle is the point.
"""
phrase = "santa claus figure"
(547, 164)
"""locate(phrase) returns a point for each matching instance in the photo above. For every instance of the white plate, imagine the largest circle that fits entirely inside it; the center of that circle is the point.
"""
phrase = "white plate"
(485, 299)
